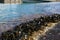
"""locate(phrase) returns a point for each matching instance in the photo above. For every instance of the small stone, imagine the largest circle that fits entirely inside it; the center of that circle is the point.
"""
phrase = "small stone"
(50, 33)
(19, 31)
(58, 33)
(44, 38)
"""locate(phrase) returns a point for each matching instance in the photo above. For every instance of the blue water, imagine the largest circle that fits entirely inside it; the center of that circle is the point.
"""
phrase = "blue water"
(10, 12)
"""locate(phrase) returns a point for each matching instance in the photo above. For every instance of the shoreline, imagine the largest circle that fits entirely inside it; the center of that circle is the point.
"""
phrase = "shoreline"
(42, 32)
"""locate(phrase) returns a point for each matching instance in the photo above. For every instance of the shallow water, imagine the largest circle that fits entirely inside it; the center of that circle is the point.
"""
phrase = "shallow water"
(11, 14)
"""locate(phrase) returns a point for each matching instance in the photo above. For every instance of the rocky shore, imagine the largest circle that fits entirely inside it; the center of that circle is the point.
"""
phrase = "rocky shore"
(52, 34)
(27, 29)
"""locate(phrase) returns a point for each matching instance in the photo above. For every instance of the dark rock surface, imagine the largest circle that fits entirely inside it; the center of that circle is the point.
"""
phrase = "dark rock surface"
(53, 34)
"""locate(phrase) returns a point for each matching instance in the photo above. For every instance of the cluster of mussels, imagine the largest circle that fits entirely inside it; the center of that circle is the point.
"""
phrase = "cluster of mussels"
(28, 27)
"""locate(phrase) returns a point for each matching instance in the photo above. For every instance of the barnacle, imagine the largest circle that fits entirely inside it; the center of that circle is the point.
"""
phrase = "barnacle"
(25, 30)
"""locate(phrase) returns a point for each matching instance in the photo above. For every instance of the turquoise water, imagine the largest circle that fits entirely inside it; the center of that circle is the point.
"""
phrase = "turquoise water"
(9, 12)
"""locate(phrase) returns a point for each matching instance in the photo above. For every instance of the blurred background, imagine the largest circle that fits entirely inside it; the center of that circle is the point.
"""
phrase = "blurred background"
(27, 1)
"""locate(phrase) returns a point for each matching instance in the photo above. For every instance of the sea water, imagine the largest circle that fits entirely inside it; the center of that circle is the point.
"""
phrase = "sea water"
(10, 14)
